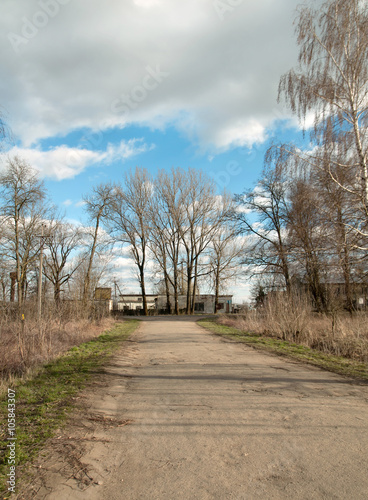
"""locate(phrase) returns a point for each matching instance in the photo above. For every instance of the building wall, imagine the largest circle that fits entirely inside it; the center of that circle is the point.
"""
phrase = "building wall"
(206, 304)
(226, 304)
(135, 302)
(103, 293)
(203, 303)
(162, 302)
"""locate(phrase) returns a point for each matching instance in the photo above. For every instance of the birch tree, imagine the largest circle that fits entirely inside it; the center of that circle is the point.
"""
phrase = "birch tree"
(308, 240)
(339, 213)
(331, 83)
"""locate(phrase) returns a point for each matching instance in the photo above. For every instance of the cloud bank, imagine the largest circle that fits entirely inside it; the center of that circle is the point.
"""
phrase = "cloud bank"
(210, 68)
(64, 162)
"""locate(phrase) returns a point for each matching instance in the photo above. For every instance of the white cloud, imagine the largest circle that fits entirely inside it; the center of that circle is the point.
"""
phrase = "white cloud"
(262, 201)
(80, 203)
(65, 162)
(172, 62)
(242, 209)
(146, 3)
(244, 133)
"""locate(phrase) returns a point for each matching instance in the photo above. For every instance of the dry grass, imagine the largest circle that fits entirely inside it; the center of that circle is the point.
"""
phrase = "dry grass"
(25, 345)
(293, 320)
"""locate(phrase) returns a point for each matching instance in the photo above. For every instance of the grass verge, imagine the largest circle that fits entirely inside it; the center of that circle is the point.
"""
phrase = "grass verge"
(43, 402)
(336, 364)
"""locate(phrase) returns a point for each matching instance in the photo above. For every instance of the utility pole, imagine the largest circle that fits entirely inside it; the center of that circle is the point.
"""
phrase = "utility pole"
(115, 302)
(40, 279)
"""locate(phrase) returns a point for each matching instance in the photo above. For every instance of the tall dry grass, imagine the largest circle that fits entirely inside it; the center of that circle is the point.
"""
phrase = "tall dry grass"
(26, 343)
(292, 319)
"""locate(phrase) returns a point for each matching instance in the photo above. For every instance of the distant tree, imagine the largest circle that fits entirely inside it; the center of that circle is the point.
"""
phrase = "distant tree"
(204, 213)
(129, 220)
(259, 295)
(225, 254)
(169, 224)
(164, 234)
(23, 210)
(100, 273)
(62, 240)
(97, 205)
(262, 214)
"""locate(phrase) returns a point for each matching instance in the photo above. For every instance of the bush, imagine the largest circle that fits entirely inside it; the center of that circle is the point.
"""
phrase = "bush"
(26, 343)
(292, 319)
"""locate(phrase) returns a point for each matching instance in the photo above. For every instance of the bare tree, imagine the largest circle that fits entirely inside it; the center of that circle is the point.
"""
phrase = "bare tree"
(129, 220)
(268, 203)
(308, 240)
(5, 266)
(339, 214)
(100, 274)
(225, 255)
(167, 220)
(97, 206)
(158, 246)
(332, 83)
(204, 213)
(318, 227)
(5, 280)
(63, 239)
(22, 193)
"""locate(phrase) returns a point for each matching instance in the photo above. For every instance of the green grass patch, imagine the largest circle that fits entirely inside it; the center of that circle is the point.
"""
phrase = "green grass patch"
(336, 364)
(43, 403)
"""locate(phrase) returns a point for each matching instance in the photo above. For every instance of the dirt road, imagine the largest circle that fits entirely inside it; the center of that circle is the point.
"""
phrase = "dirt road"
(182, 414)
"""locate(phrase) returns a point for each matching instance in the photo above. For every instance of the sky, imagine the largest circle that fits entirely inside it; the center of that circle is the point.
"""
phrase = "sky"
(91, 89)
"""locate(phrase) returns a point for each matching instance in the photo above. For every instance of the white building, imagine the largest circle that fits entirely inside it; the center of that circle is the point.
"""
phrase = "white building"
(204, 304)
(134, 302)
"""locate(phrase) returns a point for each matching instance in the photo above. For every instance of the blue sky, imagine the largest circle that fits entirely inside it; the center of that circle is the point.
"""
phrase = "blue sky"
(91, 89)
(232, 170)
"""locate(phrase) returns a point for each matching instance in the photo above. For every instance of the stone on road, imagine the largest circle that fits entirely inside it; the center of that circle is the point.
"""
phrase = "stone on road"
(183, 414)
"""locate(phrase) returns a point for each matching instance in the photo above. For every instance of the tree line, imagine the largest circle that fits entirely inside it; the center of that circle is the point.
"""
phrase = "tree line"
(29, 225)
(174, 226)
(311, 203)
(304, 223)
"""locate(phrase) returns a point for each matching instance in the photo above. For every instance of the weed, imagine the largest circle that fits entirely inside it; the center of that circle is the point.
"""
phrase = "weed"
(44, 401)
(330, 362)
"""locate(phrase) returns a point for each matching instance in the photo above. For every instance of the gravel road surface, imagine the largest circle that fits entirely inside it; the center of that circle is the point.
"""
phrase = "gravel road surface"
(183, 414)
